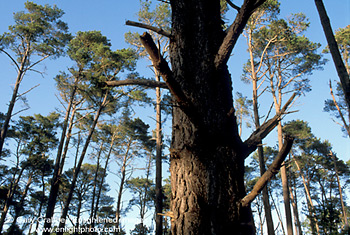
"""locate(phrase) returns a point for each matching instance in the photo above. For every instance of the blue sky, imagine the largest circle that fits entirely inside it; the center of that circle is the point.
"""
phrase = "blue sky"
(109, 17)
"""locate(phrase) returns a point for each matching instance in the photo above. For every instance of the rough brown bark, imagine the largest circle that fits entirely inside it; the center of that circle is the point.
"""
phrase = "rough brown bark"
(138, 82)
(206, 166)
(207, 154)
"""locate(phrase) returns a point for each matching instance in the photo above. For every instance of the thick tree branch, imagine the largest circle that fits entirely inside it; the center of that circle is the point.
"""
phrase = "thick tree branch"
(260, 133)
(163, 68)
(146, 26)
(334, 49)
(234, 6)
(273, 170)
(235, 30)
(138, 82)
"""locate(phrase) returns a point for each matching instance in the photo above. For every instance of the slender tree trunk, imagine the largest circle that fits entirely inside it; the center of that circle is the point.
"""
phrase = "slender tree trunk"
(159, 191)
(9, 198)
(77, 225)
(41, 203)
(20, 204)
(313, 220)
(265, 194)
(278, 215)
(13, 100)
(92, 225)
(121, 185)
(77, 168)
(284, 178)
(294, 201)
(345, 217)
(103, 178)
(285, 187)
(334, 49)
(56, 178)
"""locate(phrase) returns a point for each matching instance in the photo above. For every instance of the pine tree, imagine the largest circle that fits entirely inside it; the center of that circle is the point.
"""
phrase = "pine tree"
(38, 34)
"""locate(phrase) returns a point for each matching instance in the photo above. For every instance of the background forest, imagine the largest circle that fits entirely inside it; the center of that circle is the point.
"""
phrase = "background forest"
(86, 119)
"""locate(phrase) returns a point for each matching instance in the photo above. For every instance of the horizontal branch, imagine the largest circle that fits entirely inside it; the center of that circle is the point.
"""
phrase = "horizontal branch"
(271, 171)
(260, 133)
(149, 27)
(137, 82)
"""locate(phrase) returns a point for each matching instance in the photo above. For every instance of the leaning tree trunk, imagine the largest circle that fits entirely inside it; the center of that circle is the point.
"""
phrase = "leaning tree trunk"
(334, 49)
(6, 124)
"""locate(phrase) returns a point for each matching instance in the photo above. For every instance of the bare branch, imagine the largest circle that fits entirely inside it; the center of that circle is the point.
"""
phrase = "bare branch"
(22, 110)
(260, 133)
(338, 108)
(149, 27)
(234, 6)
(11, 58)
(273, 170)
(37, 62)
(235, 30)
(28, 90)
(139, 82)
(163, 68)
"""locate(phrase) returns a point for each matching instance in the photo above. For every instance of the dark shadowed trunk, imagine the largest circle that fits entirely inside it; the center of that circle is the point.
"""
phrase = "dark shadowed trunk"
(334, 49)
(207, 166)
(207, 154)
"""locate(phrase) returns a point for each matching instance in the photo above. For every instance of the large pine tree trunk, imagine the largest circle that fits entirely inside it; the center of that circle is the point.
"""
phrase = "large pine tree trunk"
(206, 165)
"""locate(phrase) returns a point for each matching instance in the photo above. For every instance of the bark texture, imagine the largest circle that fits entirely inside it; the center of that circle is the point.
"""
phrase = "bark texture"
(207, 166)
(207, 154)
